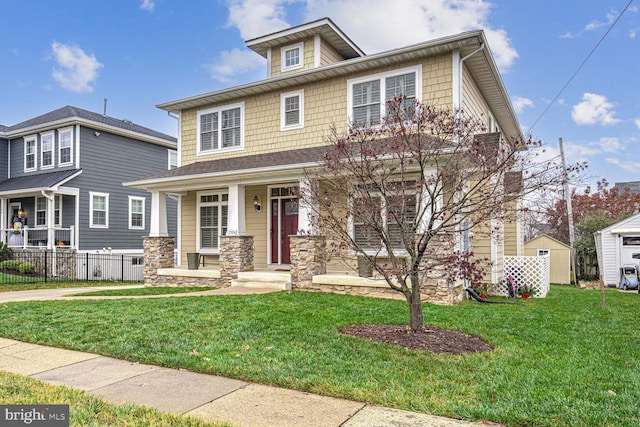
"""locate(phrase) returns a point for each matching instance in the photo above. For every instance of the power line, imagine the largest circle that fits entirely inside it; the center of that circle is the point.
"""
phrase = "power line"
(581, 65)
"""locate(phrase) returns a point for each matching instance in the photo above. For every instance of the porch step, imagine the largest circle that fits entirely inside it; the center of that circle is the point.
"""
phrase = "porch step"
(263, 279)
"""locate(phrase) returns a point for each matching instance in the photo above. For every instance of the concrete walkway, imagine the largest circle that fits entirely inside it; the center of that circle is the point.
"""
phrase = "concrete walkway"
(209, 397)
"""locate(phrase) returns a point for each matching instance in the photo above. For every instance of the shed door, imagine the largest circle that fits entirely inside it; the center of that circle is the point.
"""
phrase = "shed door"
(630, 250)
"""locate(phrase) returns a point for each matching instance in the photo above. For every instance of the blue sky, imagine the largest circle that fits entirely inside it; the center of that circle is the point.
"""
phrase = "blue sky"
(138, 53)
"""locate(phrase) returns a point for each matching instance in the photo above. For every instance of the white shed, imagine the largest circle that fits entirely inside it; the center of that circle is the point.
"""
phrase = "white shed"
(618, 245)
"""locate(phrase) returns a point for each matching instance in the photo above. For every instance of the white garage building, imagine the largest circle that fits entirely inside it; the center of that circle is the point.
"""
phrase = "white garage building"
(616, 246)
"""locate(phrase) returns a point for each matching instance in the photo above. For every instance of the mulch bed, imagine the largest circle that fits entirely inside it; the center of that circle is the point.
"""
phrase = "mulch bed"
(433, 339)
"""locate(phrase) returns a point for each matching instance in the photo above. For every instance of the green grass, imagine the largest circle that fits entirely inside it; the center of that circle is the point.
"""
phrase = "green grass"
(30, 285)
(7, 279)
(155, 290)
(85, 410)
(558, 361)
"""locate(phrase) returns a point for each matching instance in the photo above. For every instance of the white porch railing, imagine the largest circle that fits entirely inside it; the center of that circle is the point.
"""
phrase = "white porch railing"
(38, 237)
(529, 271)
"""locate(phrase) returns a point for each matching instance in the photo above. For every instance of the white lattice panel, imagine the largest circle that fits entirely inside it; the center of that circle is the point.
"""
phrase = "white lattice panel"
(529, 271)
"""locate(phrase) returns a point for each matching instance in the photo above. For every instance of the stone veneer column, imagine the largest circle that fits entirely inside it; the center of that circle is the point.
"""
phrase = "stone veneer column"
(158, 253)
(437, 287)
(236, 255)
(308, 258)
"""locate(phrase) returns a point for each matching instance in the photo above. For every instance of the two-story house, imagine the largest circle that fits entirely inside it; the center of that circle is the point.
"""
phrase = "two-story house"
(244, 148)
(61, 178)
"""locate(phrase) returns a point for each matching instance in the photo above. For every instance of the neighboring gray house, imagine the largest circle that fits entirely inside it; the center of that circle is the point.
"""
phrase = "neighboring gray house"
(61, 178)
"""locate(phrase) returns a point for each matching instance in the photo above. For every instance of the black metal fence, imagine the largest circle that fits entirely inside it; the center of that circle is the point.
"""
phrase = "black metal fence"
(32, 265)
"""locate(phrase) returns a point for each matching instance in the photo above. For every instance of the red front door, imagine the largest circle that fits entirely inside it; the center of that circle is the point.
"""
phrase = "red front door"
(284, 223)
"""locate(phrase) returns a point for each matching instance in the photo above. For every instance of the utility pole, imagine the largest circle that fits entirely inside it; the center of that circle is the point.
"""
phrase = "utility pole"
(567, 199)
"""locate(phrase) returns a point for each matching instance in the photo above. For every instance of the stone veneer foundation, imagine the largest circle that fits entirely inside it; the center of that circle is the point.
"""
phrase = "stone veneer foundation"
(308, 259)
(236, 255)
(158, 253)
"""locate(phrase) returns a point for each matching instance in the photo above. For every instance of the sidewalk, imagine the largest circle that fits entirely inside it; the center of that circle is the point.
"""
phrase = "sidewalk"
(209, 397)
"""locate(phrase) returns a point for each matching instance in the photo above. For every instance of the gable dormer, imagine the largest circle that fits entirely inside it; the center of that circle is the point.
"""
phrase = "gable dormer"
(304, 47)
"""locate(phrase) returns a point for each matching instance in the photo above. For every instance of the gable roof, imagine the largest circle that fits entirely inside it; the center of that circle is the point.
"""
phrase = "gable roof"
(325, 27)
(546, 236)
(37, 182)
(69, 115)
(481, 65)
(627, 225)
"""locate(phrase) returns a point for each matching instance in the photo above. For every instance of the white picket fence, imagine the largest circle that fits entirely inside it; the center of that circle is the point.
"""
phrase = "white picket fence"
(529, 271)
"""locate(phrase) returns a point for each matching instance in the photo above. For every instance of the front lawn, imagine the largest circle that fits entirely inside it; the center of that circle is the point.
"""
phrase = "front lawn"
(12, 284)
(152, 290)
(558, 361)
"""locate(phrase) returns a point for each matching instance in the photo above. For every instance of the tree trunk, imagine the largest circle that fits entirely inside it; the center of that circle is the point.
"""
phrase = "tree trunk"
(416, 319)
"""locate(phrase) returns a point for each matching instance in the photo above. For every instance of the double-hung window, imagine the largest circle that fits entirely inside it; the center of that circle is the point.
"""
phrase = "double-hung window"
(65, 147)
(394, 214)
(46, 150)
(41, 211)
(99, 210)
(136, 213)
(57, 210)
(292, 56)
(367, 96)
(173, 159)
(292, 110)
(213, 210)
(30, 153)
(221, 128)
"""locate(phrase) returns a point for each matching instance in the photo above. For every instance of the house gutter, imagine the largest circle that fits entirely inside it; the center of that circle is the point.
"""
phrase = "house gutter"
(458, 105)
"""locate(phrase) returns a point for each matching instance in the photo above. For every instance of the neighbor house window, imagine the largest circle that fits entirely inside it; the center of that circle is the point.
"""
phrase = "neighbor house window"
(367, 96)
(46, 150)
(173, 159)
(389, 213)
(41, 211)
(136, 213)
(99, 210)
(65, 147)
(292, 110)
(30, 153)
(292, 56)
(221, 128)
(57, 210)
(212, 211)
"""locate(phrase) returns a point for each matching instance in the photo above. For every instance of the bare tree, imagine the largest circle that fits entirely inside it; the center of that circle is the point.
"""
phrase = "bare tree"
(402, 193)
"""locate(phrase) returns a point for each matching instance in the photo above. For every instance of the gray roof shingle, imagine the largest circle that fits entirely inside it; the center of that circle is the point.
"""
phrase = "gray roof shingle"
(37, 181)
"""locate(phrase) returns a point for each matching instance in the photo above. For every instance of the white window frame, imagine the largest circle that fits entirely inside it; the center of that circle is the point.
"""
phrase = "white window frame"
(544, 252)
(37, 211)
(131, 212)
(58, 198)
(47, 136)
(172, 159)
(27, 140)
(221, 227)
(283, 111)
(283, 56)
(219, 111)
(61, 133)
(417, 69)
(92, 195)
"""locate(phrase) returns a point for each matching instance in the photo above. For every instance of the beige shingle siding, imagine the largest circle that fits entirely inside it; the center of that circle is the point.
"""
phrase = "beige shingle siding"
(473, 103)
(188, 221)
(255, 223)
(328, 55)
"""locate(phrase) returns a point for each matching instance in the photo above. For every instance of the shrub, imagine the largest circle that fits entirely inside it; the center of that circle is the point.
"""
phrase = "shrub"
(26, 268)
(17, 265)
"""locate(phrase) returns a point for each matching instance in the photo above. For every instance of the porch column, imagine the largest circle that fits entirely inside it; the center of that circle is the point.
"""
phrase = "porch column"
(51, 233)
(236, 225)
(307, 212)
(158, 226)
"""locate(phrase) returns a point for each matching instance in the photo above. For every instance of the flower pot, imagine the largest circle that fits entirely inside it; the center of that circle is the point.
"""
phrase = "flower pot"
(525, 295)
(193, 260)
(365, 269)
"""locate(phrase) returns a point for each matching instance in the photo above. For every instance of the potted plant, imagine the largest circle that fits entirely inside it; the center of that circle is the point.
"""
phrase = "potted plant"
(526, 291)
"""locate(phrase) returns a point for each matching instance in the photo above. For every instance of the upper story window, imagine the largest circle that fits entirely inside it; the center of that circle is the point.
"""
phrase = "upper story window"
(99, 210)
(173, 159)
(30, 153)
(368, 95)
(136, 213)
(65, 147)
(292, 110)
(292, 56)
(46, 150)
(221, 128)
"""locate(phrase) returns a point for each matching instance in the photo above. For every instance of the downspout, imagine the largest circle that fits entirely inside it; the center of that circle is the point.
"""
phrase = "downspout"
(51, 235)
(460, 64)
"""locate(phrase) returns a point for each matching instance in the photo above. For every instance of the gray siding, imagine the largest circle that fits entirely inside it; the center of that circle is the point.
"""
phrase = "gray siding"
(16, 167)
(4, 158)
(107, 161)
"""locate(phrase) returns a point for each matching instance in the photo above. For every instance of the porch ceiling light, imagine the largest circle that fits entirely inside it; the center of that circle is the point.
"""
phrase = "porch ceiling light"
(256, 203)
(21, 212)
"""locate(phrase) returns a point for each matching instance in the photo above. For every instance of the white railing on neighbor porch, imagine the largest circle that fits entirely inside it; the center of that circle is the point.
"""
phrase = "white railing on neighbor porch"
(38, 237)
(528, 271)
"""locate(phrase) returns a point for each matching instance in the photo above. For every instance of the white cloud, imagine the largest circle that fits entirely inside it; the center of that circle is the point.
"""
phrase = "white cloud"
(637, 122)
(594, 109)
(628, 166)
(610, 144)
(594, 25)
(230, 63)
(75, 70)
(520, 103)
(407, 22)
(148, 5)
